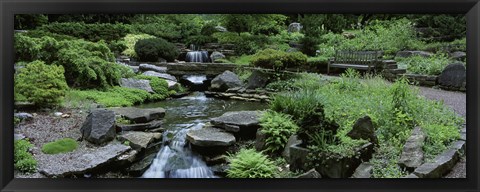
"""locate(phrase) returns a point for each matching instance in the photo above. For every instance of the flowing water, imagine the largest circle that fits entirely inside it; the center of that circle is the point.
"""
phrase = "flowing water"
(175, 159)
(197, 56)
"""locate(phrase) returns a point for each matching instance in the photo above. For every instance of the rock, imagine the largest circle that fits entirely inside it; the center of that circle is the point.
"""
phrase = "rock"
(135, 69)
(225, 81)
(220, 170)
(210, 137)
(260, 140)
(294, 27)
(216, 160)
(138, 168)
(363, 129)
(293, 140)
(57, 114)
(140, 126)
(99, 127)
(18, 136)
(364, 170)
(138, 115)
(292, 49)
(220, 29)
(257, 79)
(172, 85)
(81, 163)
(298, 158)
(458, 55)
(453, 76)
(441, 165)
(336, 167)
(23, 116)
(245, 123)
(311, 174)
(127, 158)
(139, 140)
(160, 75)
(148, 67)
(216, 55)
(412, 154)
(137, 84)
(411, 176)
(413, 53)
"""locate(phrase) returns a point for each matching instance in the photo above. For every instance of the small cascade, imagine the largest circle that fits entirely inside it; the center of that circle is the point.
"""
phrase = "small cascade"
(195, 82)
(196, 56)
(175, 160)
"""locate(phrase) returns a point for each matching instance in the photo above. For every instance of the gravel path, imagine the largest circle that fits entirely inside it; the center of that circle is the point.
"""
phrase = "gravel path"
(458, 102)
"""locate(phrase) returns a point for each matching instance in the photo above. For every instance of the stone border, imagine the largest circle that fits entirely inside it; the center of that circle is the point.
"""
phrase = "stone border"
(242, 94)
(444, 162)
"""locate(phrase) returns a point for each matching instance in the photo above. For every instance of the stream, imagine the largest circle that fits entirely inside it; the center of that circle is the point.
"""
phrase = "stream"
(175, 158)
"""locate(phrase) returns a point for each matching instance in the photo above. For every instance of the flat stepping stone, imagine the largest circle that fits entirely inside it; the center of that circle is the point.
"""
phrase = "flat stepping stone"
(139, 140)
(210, 137)
(235, 121)
(61, 165)
(140, 126)
(138, 115)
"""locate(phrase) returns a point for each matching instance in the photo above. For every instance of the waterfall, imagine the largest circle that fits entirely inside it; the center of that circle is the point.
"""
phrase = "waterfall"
(197, 56)
(196, 79)
(175, 161)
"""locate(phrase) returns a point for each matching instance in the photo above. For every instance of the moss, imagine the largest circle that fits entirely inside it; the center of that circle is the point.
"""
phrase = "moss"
(60, 146)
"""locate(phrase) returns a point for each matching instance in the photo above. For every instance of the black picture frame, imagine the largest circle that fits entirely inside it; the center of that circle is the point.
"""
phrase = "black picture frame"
(10, 7)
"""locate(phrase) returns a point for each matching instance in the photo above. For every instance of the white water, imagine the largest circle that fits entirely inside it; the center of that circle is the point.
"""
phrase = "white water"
(176, 160)
(196, 79)
(197, 56)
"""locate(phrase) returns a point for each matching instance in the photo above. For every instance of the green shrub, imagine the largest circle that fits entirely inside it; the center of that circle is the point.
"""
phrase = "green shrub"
(31, 49)
(277, 60)
(172, 27)
(153, 49)
(242, 60)
(309, 45)
(60, 146)
(160, 86)
(248, 163)
(41, 84)
(24, 160)
(306, 109)
(130, 41)
(426, 66)
(117, 47)
(114, 97)
(245, 43)
(90, 32)
(277, 128)
(318, 61)
(200, 40)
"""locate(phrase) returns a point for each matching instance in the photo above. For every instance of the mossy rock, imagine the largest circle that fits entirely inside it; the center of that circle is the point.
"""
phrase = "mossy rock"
(60, 146)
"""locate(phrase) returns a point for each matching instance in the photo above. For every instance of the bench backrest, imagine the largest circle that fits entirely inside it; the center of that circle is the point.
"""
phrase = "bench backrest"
(357, 57)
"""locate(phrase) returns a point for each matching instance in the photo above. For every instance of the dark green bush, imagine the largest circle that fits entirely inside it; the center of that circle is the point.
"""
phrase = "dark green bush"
(277, 60)
(245, 43)
(42, 84)
(248, 163)
(91, 32)
(60, 146)
(306, 109)
(309, 45)
(153, 49)
(200, 40)
(277, 128)
(30, 49)
(23, 160)
(172, 27)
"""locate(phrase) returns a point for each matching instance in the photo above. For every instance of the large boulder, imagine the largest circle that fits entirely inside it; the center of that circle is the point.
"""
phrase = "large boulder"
(245, 123)
(413, 53)
(258, 79)
(458, 55)
(363, 129)
(138, 168)
(148, 67)
(165, 76)
(138, 115)
(136, 84)
(216, 55)
(412, 154)
(79, 163)
(99, 127)
(225, 81)
(260, 139)
(454, 76)
(311, 174)
(210, 137)
(293, 140)
(139, 140)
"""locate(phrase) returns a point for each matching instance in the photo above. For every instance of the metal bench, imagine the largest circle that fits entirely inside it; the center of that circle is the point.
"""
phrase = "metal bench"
(360, 60)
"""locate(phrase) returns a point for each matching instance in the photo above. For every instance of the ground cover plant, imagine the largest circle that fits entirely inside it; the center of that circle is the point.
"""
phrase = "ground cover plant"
(60, 146)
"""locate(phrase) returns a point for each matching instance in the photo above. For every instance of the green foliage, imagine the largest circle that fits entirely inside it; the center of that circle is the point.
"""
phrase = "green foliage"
(277, 128)
(277, 60)
(309, 45)
(306, 109)
(433, 65)
(29, 21)
(117, 47)
(31, 49)
(41, 84)
(245, 43)
(200, 40)
(16, 121)
(439, 137)
(172, 27)
(317, 61)
(60, 146)
(153, 49)
(441, 27)
(90, 32)
(131, 40)
(122, 120)
(23, 160)
(160, 86)
(113, 97)
(267, 24)
(248, 163)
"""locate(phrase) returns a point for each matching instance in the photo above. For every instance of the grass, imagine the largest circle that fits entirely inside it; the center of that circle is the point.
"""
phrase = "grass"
(350, 98)
(242, 60)
(60, 146)
(425, 66)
